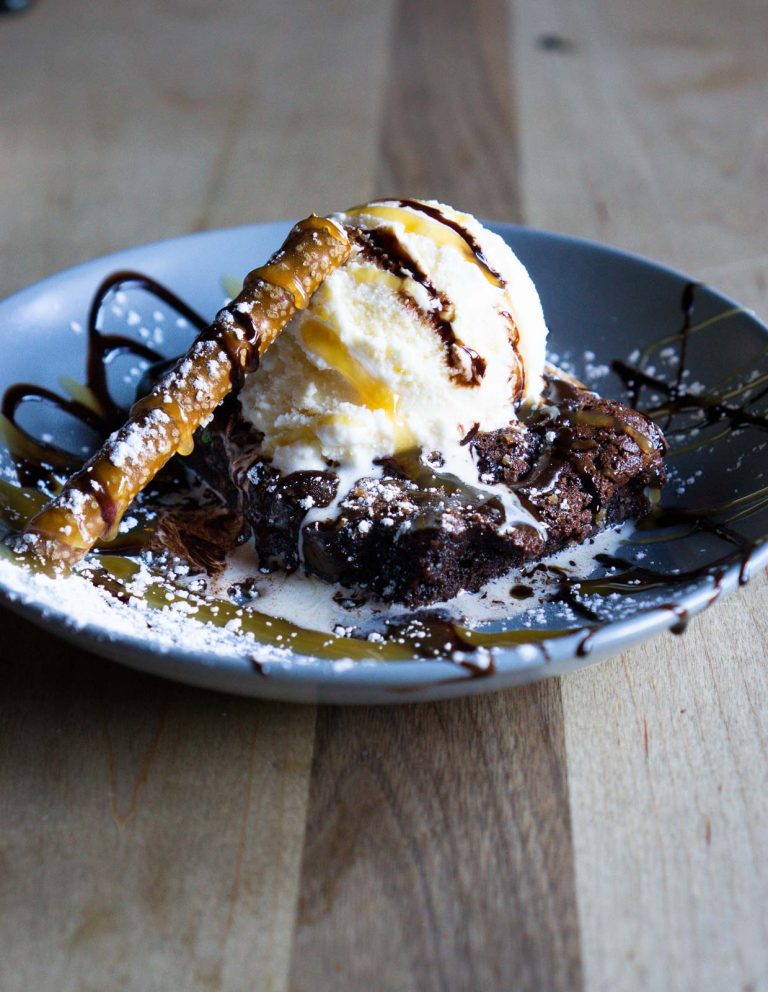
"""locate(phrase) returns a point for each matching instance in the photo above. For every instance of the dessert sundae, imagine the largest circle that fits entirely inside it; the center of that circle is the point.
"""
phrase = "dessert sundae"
(375, 409)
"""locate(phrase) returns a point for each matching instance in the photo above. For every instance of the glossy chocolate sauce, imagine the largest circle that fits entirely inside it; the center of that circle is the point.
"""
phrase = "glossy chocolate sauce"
(714, 406)
(466, 236)
(103, 348)
(382, 247)
(96, 407)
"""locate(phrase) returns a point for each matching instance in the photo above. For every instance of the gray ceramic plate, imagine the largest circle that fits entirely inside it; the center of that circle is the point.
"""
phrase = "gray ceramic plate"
(600, 305)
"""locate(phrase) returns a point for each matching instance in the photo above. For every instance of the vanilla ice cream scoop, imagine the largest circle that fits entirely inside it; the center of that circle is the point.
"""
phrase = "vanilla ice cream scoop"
(432, 329)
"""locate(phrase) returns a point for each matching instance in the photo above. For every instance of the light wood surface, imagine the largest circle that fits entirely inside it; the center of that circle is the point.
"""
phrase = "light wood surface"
(605, 832)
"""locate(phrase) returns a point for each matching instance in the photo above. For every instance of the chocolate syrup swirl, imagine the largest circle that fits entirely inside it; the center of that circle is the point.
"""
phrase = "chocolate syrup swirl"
(382, 247)
(34, 456)
(715, 408)
(103, 348)
(687, 301)
(467, 237)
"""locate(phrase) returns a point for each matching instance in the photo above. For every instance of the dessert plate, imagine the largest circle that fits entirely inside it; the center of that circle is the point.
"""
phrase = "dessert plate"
(624, 325)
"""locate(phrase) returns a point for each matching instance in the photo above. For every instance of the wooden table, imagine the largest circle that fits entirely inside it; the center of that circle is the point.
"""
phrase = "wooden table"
(606, 831)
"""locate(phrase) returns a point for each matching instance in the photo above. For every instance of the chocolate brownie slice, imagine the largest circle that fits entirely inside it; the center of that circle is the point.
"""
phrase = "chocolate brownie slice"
(576, 462)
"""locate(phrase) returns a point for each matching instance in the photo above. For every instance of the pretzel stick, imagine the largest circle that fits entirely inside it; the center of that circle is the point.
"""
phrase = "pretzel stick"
(92, 503)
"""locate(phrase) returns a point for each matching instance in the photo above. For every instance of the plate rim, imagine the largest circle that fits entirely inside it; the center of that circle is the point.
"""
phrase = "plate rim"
(305, 671)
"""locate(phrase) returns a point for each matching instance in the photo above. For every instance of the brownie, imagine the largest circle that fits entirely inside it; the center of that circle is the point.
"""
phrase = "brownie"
(577, 463)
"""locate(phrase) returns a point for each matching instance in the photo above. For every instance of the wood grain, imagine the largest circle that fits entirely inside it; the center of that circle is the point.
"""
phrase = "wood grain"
(438, 850)
(150, 835)
(438, 837)
(634, 131)
(127, 123)
(641, 129)
(449, 127)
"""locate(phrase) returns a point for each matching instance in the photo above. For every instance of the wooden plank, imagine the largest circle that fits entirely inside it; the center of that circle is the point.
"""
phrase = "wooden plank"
(637, 130)
(449, 124)
(668, 765)
(642, 128)
(123, 124)
(150, 834)
(438, 851)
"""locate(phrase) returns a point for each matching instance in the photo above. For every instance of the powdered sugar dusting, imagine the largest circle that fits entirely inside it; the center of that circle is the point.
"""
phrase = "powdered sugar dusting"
(79, 604)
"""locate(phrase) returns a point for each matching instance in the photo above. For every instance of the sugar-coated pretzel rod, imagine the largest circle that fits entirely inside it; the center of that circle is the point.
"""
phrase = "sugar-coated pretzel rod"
(92, 503)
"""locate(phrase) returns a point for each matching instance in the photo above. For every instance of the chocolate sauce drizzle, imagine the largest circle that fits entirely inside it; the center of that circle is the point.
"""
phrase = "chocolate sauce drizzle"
(627, 578)
(714, 407)
(467, 237)
(429, 634)
(382, 247)
(686, 305)
(102, 414)
(103, 348)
